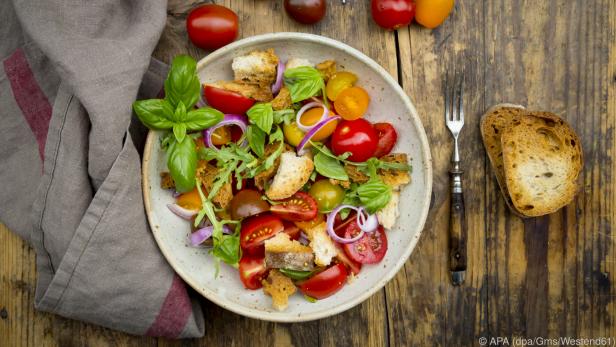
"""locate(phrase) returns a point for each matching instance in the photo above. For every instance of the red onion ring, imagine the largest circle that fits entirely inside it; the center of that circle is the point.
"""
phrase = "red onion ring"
(182, 212)
(200, 235)
(366, 222)
(230, 119)
(303, 239)
(330, 225)
(279, 74)
(305, 108)
(314, 130)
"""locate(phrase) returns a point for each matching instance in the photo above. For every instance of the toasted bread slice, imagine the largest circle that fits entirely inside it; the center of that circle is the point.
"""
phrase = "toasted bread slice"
(257, 67)
(293, 172)
(492, 126)
(252, 91)
(542, 159)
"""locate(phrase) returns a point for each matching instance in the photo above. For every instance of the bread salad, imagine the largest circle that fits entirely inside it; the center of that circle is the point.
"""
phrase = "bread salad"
(279, 171)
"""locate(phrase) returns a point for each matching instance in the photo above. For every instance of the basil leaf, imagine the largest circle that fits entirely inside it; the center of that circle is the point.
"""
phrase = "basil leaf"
(329, 167)
(227, 249)
(262, 115)
(296, 274)
(374, 195)
(182, 163)
(182, 83)
(203, 118)
(276, 136)
(154, 113)
(303, 82)
(285, 116)
(180, 112)
(179, 131)
(256, 139)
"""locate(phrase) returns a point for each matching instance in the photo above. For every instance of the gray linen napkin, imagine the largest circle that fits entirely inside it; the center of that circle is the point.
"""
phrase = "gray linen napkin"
(70, 165)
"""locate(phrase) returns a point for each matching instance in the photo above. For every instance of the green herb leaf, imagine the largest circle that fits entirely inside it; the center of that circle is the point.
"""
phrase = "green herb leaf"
(182, 163)
(154, 113)
(310, 299)
(276, 136)
(203, 118)
(296, 274)
(304, 82)
(227, 249)
(329, 167)
(182, 83)
(285, 116)
(179, 115)
(256, 139)
(374, 195)
(262, 115)
(179, 131)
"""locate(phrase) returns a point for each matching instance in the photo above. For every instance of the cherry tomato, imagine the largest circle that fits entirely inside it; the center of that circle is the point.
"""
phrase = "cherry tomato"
(190, 200)
(393, 14)
(312, 116)
(387, 138)
(221, 136)
(292, 134)
(252, 271)
(355, 136)
(226, 101)
(352, 103)
(299, 207)
(247, 202)
(432, 13)
(339, 82)
(257, 229)
(211, 26)
(292, 230)
(370, 249)
(306, 11)
(325, 283)
(352, 265)
(327, 195)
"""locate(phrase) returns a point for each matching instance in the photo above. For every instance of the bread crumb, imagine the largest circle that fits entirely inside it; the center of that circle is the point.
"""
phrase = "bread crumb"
(279, 287)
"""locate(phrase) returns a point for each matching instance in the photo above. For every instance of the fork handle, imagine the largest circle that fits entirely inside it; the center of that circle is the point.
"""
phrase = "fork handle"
(457, 224)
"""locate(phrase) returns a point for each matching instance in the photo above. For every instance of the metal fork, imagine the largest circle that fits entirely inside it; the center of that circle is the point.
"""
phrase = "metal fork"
(454, 118)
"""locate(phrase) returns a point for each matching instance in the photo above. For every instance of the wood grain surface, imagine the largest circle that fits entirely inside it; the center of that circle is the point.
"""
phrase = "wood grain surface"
(549, 277)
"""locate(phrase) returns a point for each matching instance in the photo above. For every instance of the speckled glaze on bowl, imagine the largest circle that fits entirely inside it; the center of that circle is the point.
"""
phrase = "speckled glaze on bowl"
(389, 103)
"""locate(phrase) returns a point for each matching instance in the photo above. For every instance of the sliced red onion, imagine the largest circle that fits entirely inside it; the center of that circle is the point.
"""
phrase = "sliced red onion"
(200, 235)
(182, 212)
(366, 222)
(330, 225)
(176, 194)
(305, 108)
(279, 74)
(314, 130)
(303, 238)
(201, 103)
(230, 119)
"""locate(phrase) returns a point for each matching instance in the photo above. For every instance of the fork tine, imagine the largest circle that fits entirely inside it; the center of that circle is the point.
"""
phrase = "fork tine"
(447, 99)
(454, 103)
(460, 89)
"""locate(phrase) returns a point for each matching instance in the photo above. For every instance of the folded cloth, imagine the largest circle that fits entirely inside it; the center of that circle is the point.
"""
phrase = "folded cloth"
(70, 164)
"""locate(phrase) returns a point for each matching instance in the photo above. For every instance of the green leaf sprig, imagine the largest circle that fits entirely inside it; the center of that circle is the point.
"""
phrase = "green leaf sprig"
(304, 82)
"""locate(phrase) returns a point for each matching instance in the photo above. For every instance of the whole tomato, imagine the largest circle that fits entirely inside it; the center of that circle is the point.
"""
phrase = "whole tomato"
(393, 14)
(305, 11)
(211, 26)
(355, 136)
(432, 13)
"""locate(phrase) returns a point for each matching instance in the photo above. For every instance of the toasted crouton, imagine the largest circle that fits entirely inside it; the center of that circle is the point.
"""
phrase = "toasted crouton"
(297, 62)
(257, 67)
(282, 252)
(252, 91)
(279, 287)
(262, 178)
(282, 242)
(355, 175)
(322, 245)
(293, 172)
(206, 173)
(282, 100)
(395, 178)
(388, 215)
(343, 184)
(166, 181)
(305, 226)
(327, 69)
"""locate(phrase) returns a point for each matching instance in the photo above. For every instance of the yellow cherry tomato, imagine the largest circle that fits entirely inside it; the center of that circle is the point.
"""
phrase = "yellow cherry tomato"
(432, 13)
(221, 136)
(339, 82)
(190, 200)
(352, 103)
(292, 134)
(312, 116)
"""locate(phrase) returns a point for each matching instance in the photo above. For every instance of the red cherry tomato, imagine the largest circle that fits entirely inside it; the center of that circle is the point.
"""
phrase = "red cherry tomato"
(292, 230)
(211, 26)
(252, 271)
(387, 138)
(370, 249)
(352, 265)
(355, 136)
(226, 101)
(306, 11)
(297, 208)
(393, 14)
(257, 229)
(325, 283)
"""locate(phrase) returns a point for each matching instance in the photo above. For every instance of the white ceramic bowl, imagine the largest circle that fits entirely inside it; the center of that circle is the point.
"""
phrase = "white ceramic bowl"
(389, 103)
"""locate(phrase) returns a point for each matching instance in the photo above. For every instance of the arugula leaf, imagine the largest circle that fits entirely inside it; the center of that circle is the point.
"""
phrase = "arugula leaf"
(256, 139)
(304, 82)
(276, 136)
(285, 116)
(329, 167)
(262, 115)
(154, 113)
(182, 163)
(202, 118)
(221, 179)
(182, 83)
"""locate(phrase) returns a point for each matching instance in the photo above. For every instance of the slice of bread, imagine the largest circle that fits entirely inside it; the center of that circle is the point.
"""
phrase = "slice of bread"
(492, 126)
(542, 159)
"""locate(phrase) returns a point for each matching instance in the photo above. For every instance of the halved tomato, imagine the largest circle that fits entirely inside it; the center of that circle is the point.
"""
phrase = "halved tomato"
(227, 101)
(292, 230)
(370, 249)
(352, 103)
(246, 203)
(252, 271)
(190, 200)
(299, 207)
(325, 283)
(387, 138)
(257, 229)
(352, 265)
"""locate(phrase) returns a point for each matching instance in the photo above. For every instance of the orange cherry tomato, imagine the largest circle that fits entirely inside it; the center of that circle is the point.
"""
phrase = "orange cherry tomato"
(432, 13)
(352, 103)
(221, 136)
(190, 200)
(312, 116)
(339, 82)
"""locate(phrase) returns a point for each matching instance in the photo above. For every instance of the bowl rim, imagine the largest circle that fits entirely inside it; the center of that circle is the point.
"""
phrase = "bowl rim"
(426, 168)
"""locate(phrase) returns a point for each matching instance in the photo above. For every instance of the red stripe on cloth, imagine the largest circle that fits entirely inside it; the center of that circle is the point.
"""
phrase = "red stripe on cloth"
(33, 103)
(174, 313)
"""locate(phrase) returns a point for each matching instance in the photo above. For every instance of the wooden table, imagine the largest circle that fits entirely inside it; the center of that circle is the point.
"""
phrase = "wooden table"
(551, 276)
